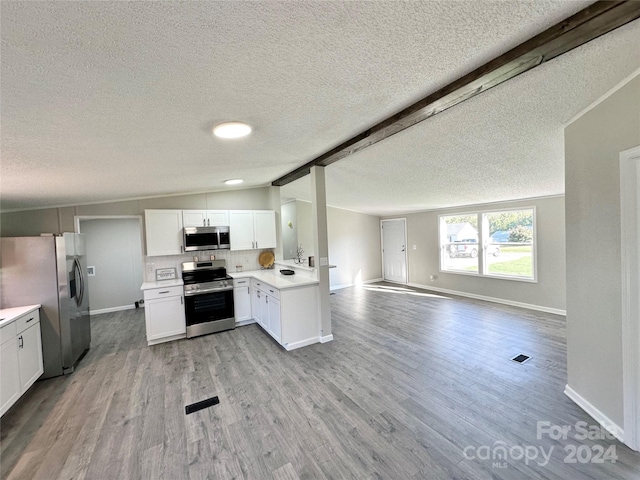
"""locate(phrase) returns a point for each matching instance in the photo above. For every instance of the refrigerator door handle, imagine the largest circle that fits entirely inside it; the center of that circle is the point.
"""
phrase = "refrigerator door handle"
(76, 266)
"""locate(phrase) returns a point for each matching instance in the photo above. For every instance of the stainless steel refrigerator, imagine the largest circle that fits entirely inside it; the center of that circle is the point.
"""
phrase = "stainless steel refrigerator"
(52, 271)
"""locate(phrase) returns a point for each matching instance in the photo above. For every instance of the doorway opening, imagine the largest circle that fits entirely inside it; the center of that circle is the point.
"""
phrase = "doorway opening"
(114, 254)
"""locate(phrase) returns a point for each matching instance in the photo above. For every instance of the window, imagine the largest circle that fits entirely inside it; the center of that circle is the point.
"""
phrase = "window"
(494, 244)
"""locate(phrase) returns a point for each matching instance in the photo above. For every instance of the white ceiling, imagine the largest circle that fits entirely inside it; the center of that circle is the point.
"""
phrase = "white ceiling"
(105, 101)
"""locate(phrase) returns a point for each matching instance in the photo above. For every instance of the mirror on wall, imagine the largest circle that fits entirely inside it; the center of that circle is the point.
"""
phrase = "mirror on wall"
(296, 218)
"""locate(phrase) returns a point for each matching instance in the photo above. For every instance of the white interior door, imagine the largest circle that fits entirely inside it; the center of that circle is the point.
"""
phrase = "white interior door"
(394, 246)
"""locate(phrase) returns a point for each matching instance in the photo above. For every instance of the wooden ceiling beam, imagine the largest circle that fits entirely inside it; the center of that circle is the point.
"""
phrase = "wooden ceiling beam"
(586, 25)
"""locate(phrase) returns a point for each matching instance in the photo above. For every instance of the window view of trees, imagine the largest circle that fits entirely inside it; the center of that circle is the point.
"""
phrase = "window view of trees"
(506, 248)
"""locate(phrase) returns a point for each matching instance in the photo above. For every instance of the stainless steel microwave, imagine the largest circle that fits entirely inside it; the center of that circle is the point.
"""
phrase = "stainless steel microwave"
(206, 238)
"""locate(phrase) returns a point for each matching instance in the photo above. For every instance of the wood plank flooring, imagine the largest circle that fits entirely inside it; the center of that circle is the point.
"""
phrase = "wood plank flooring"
(412, 381)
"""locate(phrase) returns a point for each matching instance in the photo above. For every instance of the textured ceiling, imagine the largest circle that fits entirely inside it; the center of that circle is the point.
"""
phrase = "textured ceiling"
(114, 100)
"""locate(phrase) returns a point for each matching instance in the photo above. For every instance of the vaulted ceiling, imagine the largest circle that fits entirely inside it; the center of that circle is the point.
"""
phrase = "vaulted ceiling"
(106, 101)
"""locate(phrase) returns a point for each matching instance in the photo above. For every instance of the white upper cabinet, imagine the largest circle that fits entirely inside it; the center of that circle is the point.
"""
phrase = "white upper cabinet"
(264, 224)
(252, 229)
(205, 218)
(241, 229)
(194, 218)
(163, 232)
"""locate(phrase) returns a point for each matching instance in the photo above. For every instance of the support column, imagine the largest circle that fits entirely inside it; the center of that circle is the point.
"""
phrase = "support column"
(321, 249)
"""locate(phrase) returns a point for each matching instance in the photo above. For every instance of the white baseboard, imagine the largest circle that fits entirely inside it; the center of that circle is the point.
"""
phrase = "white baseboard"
(347, 285)
(242, 323)
(303, 343)
(597, 415)
(503, 301)
(326, 338)
(112, 309)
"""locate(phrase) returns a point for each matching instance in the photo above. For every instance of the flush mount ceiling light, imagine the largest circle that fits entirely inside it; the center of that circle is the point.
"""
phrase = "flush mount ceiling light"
(234, 181)
(231, 130)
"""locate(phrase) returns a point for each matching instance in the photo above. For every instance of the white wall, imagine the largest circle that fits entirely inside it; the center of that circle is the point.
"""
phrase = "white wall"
(114, 248)
(354, 247)
(548, 293)
(58, 220)
(305, 228)
(289, 233)
(354, 243)
(593, 143)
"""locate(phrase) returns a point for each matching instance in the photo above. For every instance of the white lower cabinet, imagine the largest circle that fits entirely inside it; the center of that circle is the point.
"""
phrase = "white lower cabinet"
(20, 358)
(275, 326)
(9, 374)
(30, 356)
(164, 314)
(288, 315)
(242, 300)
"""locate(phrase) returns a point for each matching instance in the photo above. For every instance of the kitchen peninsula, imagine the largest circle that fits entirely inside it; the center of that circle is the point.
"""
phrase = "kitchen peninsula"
(285, 306)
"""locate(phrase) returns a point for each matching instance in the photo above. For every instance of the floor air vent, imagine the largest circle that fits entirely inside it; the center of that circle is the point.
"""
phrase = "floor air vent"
(194, 407)
(520, 358)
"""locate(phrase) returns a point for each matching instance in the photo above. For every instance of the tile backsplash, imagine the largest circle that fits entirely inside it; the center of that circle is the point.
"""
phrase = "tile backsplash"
(244, 259)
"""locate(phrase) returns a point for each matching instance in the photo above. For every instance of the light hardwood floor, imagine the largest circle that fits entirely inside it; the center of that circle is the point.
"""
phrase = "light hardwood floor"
(412, 381)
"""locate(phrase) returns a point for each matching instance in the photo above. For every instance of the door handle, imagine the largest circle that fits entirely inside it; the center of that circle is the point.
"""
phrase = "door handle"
(21, 345)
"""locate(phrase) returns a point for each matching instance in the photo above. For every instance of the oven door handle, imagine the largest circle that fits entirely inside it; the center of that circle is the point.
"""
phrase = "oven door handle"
(192, 293)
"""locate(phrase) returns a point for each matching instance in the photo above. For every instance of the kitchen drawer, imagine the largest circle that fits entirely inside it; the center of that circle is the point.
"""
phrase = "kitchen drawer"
(269, 290)
(162, 292)
(265, 288)
(241, 282)
(8, 332)
(26, 321)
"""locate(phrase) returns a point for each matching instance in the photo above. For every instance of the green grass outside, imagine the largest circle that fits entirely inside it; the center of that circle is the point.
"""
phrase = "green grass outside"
(516, 249)
(521, 267)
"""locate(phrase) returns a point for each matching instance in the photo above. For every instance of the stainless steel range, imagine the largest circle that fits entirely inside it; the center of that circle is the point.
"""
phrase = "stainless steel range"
(208, 294)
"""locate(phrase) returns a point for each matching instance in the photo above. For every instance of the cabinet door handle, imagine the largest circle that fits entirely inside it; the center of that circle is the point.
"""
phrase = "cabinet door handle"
(21, 345)
(208, 223)
(181, 300)
(248, 293)
(160, 293)
(29, 319)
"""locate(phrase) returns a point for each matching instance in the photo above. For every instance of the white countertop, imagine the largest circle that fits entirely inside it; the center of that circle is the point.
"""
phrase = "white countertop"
(176, 282)
(9, 315)
(274, 278)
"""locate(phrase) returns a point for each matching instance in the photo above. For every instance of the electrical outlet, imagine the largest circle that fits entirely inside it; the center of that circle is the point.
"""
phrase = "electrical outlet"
(150, 268)
(324, 261)
(433, 278)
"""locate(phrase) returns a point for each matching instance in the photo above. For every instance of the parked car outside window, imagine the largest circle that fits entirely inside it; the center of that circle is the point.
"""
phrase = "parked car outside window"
(467, 250)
